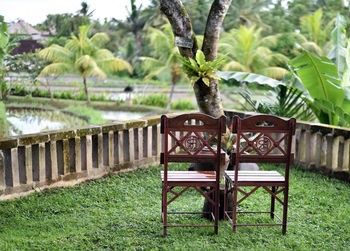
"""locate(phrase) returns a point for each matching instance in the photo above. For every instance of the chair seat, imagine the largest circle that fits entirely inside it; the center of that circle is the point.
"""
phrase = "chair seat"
(255, 176)
(190, 176)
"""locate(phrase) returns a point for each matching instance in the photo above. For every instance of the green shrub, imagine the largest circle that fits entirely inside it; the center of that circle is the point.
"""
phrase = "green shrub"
(160, 100)
(19, 90)
(183, 105)
(67, 94)
(81, 95)
(100, 97)
(94, 117)
(40, 93)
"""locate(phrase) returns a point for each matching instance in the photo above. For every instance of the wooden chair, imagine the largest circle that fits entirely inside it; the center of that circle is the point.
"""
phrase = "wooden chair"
(192, 142)
(260, 139)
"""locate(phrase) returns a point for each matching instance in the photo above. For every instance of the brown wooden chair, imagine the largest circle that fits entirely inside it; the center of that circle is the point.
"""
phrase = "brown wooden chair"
(260, 139)
(190, 138)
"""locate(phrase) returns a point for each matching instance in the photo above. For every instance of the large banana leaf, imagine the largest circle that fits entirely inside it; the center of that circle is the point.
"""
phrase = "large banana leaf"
(338, 51)
(250, 78)
(319, 76)
(341, 117)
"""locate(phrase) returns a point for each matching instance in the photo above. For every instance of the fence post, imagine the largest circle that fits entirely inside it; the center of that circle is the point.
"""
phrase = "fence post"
(316, 148)
(29, 164)
(66, 168)
(120, 147)
(140, 143)
(88, 153)
(42, 171)
(2, 172)
(14, 167)
(53, 153)
(346, 160)
(329, 151)
(149, 141)
(111, 148)
(100, 150)
(307, 147)
(131, 144)
(338, 152)
(297, 145)
(77, 149)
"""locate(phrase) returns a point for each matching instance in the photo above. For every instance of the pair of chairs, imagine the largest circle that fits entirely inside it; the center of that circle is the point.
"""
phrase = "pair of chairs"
(196, 138)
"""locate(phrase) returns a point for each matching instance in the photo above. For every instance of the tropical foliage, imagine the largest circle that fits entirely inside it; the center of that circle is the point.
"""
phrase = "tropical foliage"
(248, 51)
(84, 55)
(259, 37)
(281, 100)
(164, 59)
(317, 86)
(6, 46)
(201, 69)
(327, 96)
(316, 32)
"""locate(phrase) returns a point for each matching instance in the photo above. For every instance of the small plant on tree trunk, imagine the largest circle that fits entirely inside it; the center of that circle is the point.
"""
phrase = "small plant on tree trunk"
(201, 69)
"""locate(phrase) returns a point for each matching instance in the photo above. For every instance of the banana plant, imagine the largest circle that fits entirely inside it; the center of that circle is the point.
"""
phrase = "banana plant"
(284, 100)
(6, 46)
(319, 76)
(338, 37)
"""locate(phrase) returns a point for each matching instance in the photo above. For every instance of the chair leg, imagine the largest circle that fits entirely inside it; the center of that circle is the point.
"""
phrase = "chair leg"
(225, 199)
(285, 211)
(164, 209)
(272, 203)
(234, 211)
(217, 204)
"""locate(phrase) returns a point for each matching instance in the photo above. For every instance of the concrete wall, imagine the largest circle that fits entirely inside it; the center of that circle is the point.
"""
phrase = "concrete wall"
(60, 158)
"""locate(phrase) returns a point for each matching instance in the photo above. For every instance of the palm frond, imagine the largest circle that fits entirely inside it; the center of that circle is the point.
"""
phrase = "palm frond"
(279, 58)
(274, 72)
(56, 69)
(235, 66)
(56, 53)
(312, 47)
(100, 39)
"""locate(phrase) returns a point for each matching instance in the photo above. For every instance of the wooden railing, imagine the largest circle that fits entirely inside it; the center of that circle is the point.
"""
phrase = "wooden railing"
(59, 158)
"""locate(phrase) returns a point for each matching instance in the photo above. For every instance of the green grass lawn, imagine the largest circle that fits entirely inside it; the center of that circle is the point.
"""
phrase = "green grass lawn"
(122, 212)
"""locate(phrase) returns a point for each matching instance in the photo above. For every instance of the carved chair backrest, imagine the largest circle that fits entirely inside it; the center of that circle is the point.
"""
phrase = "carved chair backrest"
(191, 138)
(264, 139)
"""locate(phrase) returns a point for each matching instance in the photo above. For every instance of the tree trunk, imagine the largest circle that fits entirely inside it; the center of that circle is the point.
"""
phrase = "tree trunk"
(86, 91)
(208, 98)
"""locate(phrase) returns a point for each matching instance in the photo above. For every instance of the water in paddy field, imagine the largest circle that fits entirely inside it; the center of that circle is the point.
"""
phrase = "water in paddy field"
(121, 115)
(29, 121)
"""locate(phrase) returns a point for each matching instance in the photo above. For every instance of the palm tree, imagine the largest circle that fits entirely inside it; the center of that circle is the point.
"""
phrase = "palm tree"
(164, 58)
(247, 51)
(316, 32)
(245, 12)
(82, 55)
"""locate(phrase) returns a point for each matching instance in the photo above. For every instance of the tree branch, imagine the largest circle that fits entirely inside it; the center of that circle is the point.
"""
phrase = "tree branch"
(216, 16)
(180, 23)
